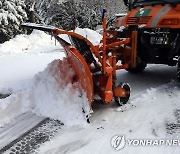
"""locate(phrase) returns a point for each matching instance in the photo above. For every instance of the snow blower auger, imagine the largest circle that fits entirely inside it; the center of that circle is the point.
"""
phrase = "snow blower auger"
(96, 66)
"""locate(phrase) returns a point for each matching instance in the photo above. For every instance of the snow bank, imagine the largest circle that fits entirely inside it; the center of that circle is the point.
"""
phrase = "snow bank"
(54, 94)
(40, 42)
(91, 35)
(51, 94)
(37, 42)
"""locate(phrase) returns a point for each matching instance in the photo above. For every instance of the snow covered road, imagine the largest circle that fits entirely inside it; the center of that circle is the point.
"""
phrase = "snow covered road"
(153, 76)
(153, 111)
(107, 120)
(14, 130)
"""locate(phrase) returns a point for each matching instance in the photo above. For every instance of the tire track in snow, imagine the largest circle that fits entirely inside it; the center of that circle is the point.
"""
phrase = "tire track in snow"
(30, 140)
(68, 147)
(173, 128)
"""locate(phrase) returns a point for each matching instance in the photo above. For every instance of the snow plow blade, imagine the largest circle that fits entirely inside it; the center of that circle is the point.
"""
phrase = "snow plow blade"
(83, 73)
(96, 66)
(2, 96)
(44, 28)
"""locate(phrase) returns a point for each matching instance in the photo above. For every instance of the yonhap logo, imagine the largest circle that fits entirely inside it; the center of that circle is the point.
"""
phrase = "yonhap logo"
(118, 142)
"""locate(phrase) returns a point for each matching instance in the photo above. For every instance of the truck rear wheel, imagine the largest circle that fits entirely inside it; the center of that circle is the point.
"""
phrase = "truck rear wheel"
(139, 68)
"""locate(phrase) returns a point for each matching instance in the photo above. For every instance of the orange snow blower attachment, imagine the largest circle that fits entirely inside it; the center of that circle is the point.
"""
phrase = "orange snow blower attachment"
(96, 66)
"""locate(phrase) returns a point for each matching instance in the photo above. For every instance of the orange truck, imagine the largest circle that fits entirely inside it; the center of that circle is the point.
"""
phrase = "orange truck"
(158, 26)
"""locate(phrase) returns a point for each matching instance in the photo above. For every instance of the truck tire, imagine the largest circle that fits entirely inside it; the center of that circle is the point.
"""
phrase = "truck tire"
(139, 68)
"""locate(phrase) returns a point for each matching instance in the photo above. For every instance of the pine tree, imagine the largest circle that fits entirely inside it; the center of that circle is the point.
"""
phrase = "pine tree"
(86, 13)
(61, 13)
(12, 13)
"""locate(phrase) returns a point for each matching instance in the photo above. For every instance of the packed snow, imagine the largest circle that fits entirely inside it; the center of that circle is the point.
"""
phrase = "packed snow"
(32, 69)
